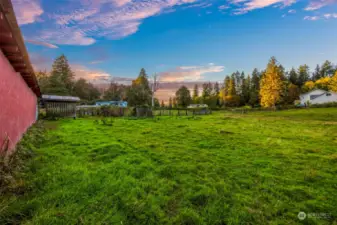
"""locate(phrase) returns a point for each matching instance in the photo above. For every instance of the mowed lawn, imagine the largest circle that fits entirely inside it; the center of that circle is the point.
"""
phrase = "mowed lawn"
(224, 168)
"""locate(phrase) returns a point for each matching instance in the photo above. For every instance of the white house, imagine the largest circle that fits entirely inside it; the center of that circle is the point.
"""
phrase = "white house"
(318, 96)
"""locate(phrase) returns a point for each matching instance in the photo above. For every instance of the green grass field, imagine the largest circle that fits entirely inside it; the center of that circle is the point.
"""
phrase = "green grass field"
(224, 168)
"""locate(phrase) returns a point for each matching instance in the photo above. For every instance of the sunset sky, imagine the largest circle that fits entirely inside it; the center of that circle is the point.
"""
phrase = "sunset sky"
(182, 40)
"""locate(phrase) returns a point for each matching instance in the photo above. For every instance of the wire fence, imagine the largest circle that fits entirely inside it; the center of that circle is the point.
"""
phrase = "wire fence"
(139, 112)
(181, 112)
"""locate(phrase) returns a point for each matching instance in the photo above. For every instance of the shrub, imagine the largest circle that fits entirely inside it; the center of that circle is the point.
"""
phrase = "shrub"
(325, 105)
(13, 163)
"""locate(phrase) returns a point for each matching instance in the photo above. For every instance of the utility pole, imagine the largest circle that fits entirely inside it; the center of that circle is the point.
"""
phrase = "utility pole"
(154, 88)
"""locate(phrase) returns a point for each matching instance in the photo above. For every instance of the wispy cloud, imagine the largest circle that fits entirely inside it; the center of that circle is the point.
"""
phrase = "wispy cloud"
(223, 7)
(121, 2)
(312, 18)
(93, 76)
(65, 36)
(199, 5)
(190, 73)
(45, 44)
(244, 6)
(330, 15)
(317, 4)
(98, 77)
(27, 11)
(96, 62)
(291, 11)
(83, 21)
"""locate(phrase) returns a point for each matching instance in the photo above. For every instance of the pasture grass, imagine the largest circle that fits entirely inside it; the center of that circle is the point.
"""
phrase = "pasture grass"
(224, 168)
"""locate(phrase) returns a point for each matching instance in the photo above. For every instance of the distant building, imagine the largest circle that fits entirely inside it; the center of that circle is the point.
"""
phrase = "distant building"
(60, 106)
(318, 96)
(122, 104)
(193, 106)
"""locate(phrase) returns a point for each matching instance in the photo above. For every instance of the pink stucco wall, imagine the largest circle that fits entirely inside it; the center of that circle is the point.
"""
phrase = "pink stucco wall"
(17, 104)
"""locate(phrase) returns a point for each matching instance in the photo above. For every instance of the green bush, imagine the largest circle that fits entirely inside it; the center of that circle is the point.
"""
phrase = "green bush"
(325, 105)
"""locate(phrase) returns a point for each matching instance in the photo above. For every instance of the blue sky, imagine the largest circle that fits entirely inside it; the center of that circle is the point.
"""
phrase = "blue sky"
(182, 40)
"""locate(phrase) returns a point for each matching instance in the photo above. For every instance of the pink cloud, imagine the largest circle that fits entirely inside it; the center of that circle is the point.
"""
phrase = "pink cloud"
(98, 77)
(317, 4)
(65, 36)
(45, 44)
(27, 11)
(93, 76)
(258, 4)
(121, 2)
(249, 5)
(189, 73)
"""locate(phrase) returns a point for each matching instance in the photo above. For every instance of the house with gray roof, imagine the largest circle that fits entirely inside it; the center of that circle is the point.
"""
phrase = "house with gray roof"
(318, 96)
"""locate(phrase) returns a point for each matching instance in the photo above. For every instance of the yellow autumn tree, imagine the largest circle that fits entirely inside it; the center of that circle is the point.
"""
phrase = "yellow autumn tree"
(308, 86)
(271, 85)
(323, 83)
(232, 99)
(333, 83)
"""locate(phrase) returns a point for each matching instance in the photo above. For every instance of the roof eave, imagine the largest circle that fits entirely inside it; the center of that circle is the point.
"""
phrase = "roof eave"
(13, 47)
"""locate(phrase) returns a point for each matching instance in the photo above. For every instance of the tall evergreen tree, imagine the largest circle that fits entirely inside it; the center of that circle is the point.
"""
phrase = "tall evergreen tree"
(62, 78)
(245, 90)
(327, 69)
(142, 79)
(282, 72)
(162, 104)
(170, 103)
(174, 103)
(183, 96)
(237, 82)
(195, 93)
(254, 88)
(303, 75)
(271, 85)
(226, 85)
(206, 90)
(216, 93)
(140, 92)
(293, 77)
(224, 90)
(316, 74)
(232, 99)
(232, 87)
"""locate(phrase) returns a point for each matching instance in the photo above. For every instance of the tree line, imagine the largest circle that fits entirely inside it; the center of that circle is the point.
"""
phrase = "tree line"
(267, 88)
(61, 81)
